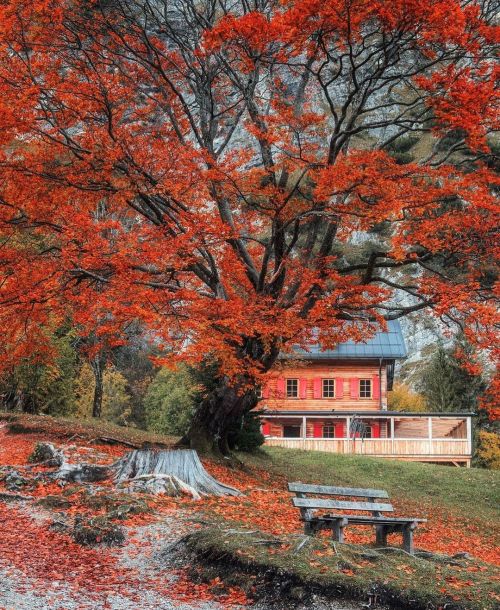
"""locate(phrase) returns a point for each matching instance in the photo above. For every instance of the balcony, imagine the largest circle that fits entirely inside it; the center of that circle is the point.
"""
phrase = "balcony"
(405, 436)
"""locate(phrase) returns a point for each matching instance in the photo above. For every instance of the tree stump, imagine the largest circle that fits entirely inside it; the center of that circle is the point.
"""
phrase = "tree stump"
(169, 472)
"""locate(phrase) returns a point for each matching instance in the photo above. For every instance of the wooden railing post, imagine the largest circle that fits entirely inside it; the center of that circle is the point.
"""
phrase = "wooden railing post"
(429, 424)
(304, 428)
(348, 434)
(392, 435)
(468, 421)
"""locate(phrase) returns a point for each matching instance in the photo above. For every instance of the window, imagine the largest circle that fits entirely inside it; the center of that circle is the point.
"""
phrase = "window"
(328, 431)
(291, 432)
(368, 432)
(365, 388)
(328, 388)
(259, 392)
(292, 388)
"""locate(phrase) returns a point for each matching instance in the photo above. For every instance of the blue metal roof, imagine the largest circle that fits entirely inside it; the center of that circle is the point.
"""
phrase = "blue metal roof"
(388, 345)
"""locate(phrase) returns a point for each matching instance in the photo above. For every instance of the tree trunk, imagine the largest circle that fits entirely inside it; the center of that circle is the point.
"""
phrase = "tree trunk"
(97, 365)
(227, 401)
(218, 412)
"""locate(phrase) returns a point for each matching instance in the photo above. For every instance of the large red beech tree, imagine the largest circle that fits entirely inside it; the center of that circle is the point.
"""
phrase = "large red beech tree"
(225, 173)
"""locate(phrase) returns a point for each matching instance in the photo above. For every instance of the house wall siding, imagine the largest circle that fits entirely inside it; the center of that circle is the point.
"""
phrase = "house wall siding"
(334, 370)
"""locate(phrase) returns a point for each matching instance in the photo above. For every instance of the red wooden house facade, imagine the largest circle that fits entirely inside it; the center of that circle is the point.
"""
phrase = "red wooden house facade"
(336, 400)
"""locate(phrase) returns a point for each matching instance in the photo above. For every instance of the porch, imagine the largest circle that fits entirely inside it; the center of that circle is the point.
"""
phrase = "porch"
(422, 437)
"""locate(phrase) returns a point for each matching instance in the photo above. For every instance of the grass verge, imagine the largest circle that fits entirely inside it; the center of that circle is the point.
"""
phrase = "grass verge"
(292, 568)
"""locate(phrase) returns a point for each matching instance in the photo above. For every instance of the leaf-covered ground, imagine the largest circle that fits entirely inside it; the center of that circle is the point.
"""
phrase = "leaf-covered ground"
(41, 566)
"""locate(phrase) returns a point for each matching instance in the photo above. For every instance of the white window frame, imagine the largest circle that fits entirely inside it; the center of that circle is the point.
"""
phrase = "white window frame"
(292, 379)
(328, 426)
(329, 381)
(362, 392)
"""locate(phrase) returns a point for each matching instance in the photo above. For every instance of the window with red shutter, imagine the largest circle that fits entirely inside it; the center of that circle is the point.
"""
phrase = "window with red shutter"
(317, 387)
(354, 387)
(266, 429)
(376, 387)
(318, 430)
(303, 388)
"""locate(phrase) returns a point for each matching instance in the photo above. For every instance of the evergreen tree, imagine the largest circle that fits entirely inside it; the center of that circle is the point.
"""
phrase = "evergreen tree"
(447, 385)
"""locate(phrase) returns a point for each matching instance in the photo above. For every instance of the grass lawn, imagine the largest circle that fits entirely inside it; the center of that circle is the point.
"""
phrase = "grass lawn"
(465, 492)
(92, 429)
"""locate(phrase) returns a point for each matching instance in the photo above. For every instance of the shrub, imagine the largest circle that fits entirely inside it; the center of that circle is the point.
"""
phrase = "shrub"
(488, 450)
(246, 436)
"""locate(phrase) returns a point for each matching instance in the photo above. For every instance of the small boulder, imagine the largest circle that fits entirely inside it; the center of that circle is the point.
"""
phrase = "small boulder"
(48, 454)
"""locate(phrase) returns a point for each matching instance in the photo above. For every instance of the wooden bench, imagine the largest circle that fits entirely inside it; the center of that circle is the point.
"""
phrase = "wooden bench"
(374, 503)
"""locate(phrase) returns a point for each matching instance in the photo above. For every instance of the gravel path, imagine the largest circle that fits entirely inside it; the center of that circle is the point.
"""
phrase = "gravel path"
(143, 557)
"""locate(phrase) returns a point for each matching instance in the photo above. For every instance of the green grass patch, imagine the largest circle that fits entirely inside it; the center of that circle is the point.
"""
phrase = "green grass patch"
(466, 492)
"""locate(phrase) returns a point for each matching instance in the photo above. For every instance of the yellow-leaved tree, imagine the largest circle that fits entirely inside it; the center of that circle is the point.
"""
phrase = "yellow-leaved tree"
(116, 405)
(403, 398)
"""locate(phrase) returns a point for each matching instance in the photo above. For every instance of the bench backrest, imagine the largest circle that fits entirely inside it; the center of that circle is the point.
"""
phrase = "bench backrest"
(310, 504)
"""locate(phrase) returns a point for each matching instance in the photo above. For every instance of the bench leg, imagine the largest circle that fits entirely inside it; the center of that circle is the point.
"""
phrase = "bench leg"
(338, 530)
(381, 535)
(408, 539)
(308, 528)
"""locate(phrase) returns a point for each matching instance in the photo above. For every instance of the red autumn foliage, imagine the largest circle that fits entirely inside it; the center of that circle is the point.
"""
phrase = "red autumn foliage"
(220, 210)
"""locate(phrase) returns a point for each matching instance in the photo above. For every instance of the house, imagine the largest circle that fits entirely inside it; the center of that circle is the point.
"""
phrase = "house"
(336, 400)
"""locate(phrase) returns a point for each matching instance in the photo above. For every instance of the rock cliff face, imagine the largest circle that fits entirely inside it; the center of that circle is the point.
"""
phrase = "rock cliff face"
(422, 333)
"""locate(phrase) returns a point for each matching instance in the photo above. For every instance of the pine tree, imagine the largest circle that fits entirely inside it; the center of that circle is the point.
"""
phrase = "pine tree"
(447, 385)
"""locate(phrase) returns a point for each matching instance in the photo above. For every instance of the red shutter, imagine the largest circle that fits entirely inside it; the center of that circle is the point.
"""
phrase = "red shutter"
(303, 388)
(339, 430)
(354, 387)
(318, 430)
(376, 387)
(376, 430)
(280, 387)
(339, 388)
(266, 391)
(317, 387)
(266, 429)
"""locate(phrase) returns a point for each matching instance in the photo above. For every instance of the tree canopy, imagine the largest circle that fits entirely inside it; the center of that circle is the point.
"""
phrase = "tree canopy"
(224, 171)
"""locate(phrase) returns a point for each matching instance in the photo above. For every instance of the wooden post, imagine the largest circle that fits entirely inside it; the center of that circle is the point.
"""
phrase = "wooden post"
(468, 421)
(304, 428)
(338, 530)
(348, 434)
(429, 429)
(392, 435)
(408, 538)
(381, 535)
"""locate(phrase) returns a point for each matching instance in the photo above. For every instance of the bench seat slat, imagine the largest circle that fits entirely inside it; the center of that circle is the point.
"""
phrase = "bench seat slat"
(317, 503)
(337, 491)
(366, 519)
